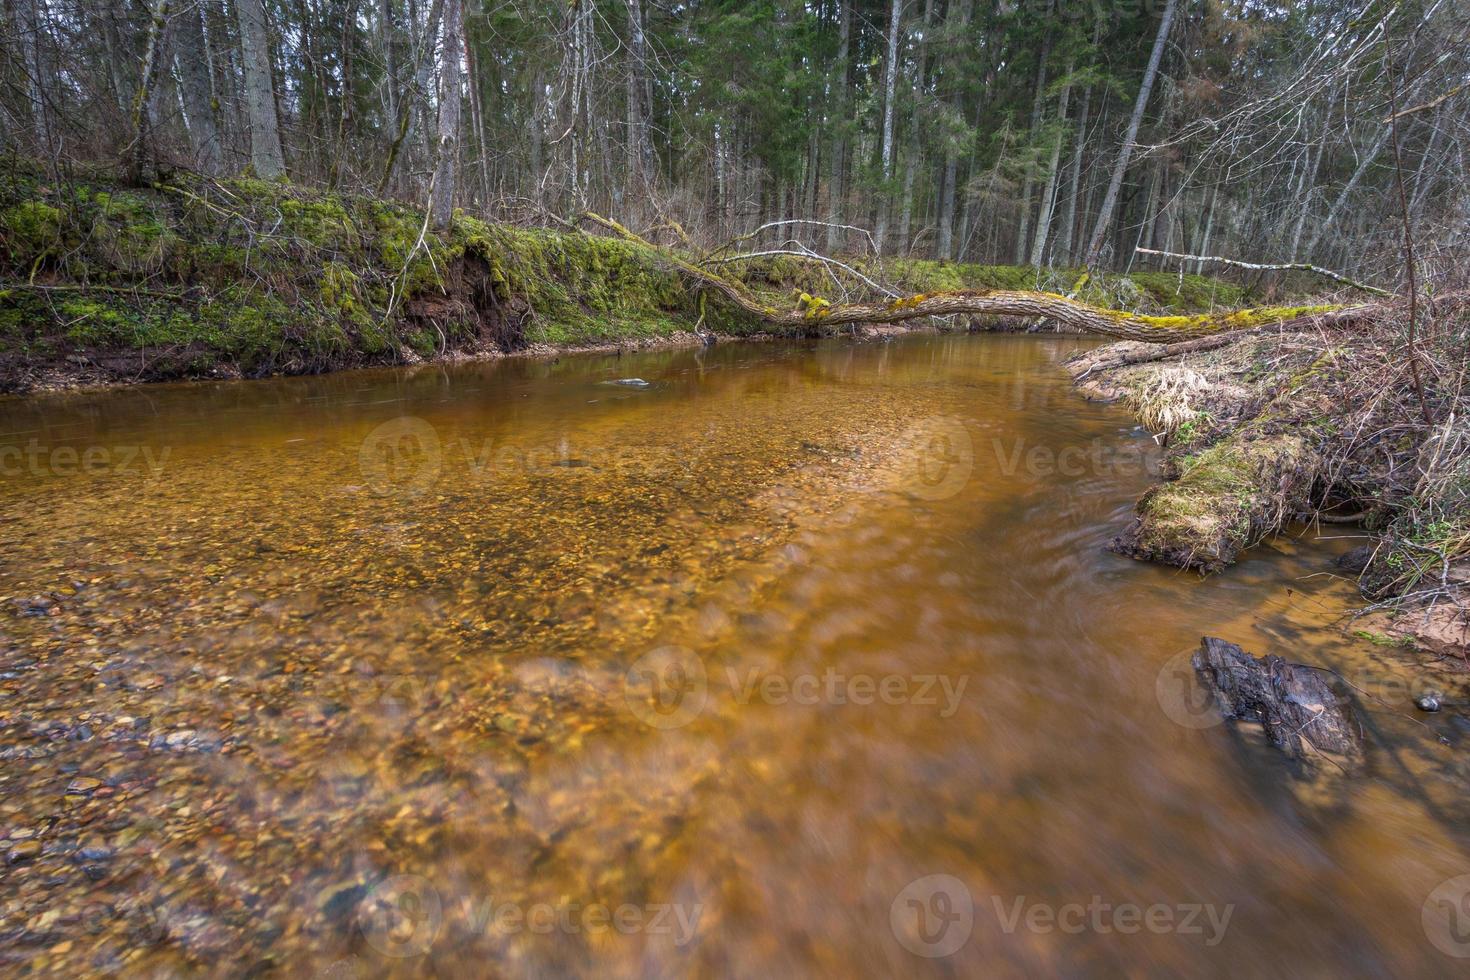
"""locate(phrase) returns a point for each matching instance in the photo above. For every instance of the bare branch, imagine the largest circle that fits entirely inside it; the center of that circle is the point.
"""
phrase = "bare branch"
(1268, 266)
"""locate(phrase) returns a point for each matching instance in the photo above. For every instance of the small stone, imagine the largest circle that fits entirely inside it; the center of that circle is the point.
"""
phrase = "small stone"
(23, 851)
(1427, 702)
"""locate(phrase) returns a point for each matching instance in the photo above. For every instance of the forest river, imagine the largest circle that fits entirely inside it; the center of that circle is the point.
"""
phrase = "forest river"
(797, 658)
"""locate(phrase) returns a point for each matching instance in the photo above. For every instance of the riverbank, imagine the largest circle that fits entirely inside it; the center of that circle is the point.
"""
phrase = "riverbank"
(101, 283)
(1272, 430)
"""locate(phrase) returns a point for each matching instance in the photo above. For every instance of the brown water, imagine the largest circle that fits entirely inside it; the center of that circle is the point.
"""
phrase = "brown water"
(501, 668)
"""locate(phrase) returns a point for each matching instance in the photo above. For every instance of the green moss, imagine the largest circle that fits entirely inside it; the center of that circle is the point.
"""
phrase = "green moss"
(32, 229)
(273, 277)
(1225, 498)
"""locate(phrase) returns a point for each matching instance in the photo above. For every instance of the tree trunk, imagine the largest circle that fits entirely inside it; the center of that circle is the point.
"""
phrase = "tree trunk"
(1125, 152)
(538, 122)
(837, 123)
(959, 12)
(1049, 195)
(890, 86)
(1074, 193)
(1345, 193)
(29, 19)
(118, 55)
(477, 114)
(442, 204)
(410, 105)
(637, 148)
(1017, 303)
(153, 55)
(906, 206)
(260, 96)
(1024, 229)
(388, 41)
(193, 61)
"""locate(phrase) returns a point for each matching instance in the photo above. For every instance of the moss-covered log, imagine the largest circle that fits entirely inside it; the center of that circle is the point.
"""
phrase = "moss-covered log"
(1073, 313)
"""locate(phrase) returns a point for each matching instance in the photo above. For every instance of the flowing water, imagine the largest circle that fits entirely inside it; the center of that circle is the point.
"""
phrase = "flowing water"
(799, 659)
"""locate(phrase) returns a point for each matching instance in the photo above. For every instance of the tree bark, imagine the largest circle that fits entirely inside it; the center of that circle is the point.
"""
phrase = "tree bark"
(193, 61)
(1074, 192)
(1125, 152)
(890, 87)
(260, 97)
(1024, 229)
(1049, 195)
(142, 118)
(836, 123)
(388, 41)
(959, 13)
(442, 204)
(637, 147)
(29, 18)
(1017, 303)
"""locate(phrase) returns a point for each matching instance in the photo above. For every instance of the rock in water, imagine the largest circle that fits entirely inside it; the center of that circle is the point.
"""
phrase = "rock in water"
(1427, 702)
(1354, 562)
(1299, 710)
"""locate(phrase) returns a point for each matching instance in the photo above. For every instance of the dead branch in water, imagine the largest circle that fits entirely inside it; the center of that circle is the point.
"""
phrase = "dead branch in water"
(1080, 316)
(1268, 267)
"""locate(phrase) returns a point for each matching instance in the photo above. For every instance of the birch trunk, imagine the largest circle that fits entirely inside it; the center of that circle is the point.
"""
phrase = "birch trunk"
(442, 204)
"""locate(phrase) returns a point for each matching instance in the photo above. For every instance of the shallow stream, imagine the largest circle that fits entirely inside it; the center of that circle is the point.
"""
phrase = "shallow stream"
(800, 658)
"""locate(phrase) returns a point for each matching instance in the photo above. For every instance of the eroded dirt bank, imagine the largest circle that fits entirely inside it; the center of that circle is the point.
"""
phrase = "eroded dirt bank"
(190, 277)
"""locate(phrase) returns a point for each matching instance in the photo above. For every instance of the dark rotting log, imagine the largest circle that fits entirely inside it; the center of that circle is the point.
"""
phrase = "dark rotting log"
(1297, 707)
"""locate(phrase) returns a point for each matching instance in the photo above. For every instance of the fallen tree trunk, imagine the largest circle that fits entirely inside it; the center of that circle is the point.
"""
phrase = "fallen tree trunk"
(1080, 316)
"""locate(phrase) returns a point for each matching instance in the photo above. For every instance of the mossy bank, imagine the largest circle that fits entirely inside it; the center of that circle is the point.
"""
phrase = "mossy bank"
(1272, 431)
(192, 278)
